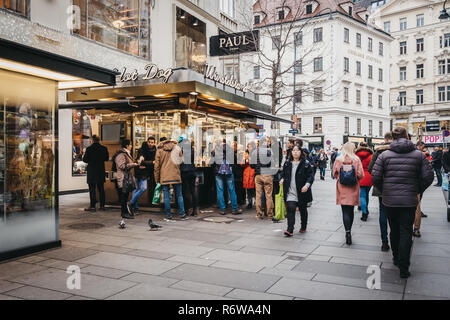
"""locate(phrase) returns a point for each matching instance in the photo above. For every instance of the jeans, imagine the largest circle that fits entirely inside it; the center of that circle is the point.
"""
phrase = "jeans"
(291, 207)
(364, 199)
(189, 195)
(383, 221)
(93, 194)
(322, 172)
(348, 214)
(221, 180)
(332, 166)
(438, 175)
(141, 187)
(178, 195)
(401, 222)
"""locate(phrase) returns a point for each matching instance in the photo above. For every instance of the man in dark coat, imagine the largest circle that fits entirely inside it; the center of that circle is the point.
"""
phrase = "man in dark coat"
(437, 165)
(95, 157)
(401, 173)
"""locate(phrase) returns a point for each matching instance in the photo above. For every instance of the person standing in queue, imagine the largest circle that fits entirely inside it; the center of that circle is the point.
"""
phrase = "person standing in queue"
(249, 176)
(297, 178)
(188, 176)
(365, 154)
(95, 157)
(348, 171)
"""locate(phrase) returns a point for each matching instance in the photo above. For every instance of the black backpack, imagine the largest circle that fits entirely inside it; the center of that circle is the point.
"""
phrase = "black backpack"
(347, 178)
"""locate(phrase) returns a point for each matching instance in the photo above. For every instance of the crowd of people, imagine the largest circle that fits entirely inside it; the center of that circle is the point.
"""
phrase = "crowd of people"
(398, 171)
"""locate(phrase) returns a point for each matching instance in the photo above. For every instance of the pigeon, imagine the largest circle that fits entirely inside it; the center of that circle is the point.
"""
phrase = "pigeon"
(122, 224)
(153, 226)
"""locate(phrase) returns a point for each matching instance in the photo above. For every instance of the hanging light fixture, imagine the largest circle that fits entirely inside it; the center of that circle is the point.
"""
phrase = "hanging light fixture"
(195, 23)
(183, 14)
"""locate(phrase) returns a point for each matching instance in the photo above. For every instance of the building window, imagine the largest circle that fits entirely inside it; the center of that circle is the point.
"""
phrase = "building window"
(346, 65)
(276, 42)
(441, 67)
(317, 94)
(281, 14)
(403, 98)
(419, 71)
(380, 101)
(318, 125)
(370, 128)
(358, 127)
(420, 18)
(309, 8)
(228, 7)
(419, 96)
(318, 34)
(298, 96)
(358, 40)
(18, 6)
(370, 72)
(298, 68)
(370, 45)
(441, 94)
(403, 47)
(358, 68)
(358, 96)
(346, 94)
(350, 11)
(387, 26)
(402, 73)
(444, 41)
(346, 125)
(380, 49)
(318, 64)
(257, 19)
(256, 97)
(256, 72)
(380, 129)
(346, 35)
(380, 74)
(403, 24)
(298, 38)
(125, 25)
(419, 45)
(369, 98)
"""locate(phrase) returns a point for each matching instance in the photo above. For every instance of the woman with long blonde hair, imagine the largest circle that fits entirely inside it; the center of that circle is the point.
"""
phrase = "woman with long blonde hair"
(348, 171)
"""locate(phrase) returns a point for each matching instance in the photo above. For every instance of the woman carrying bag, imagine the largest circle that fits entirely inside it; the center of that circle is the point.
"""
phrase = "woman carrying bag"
(297, 178)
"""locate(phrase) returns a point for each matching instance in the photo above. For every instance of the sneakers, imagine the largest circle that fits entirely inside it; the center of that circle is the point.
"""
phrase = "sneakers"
(130, 210)
(364, 217)
(127, 216)
(275, 220)
(184, 217)
(90, 210)
(288, 234)
(222, 212)
(385, 247)
(416, 233)
(348, 238)
(238, 211)
(169, 219)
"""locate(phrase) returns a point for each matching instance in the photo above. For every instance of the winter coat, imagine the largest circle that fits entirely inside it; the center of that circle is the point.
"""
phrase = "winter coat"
(149, 159)
(365, 155)
(249, 175)
(238, 170)
(188, 165)
(167, 163)
(437, 159)
(446, 162)
(324, 162)
(262, 161)
(401, 173)
(348, 195)
(95, 157)
(123, 162)
(303, 175)
(376, 192)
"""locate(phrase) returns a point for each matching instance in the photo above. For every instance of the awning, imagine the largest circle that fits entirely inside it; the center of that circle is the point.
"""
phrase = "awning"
(268, 116)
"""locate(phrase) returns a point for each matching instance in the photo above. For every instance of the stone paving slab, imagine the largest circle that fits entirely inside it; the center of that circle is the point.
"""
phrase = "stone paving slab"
(252, 295)
(202, 288)
(33, 293)
(430, 264)
(149, 254)
(292, 274)
(238, 266)
(352, 253)
(97, 238)
(200, 236)
(111, 249)
(280, 244)
(7, 286)
(432, 249)
(105, 272)
(427, 284)
(60, 264)
(68, 253)
(360, 283)
(156, 281)
(14, 269)
(264, 251)
(191, 260)
(32, 259)
(5, 297)
(174, 249)
(244, 257)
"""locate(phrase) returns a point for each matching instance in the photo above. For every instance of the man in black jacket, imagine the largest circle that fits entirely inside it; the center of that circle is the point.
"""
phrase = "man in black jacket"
(95, 157)
(401, 173)
(188, 176)
(437, 165)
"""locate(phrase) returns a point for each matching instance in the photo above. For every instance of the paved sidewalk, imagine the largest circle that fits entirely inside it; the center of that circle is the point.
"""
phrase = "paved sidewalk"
(243, 259)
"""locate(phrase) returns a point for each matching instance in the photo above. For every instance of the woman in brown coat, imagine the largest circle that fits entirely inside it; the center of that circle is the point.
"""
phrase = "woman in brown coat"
(348, 195)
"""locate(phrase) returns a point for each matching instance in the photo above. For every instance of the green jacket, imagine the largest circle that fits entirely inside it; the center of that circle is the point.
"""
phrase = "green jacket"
(376, 192)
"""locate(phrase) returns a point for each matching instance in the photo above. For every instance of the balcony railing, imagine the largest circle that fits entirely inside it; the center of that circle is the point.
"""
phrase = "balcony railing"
(402, 109)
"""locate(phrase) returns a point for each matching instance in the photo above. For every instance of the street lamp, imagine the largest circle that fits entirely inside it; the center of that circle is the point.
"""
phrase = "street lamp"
(444, 15)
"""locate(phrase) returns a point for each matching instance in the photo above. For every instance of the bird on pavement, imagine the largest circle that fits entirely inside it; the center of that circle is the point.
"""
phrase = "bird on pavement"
(153, 227)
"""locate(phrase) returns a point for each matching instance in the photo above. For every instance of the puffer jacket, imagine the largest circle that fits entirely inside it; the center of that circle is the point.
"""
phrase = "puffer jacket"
(365, 155)
(401, 173)
(167, 163)
(376, 192)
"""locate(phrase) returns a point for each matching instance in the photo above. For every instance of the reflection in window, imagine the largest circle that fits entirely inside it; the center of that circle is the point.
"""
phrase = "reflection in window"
(19, 6)
(190, 49)
(122, 24)
(81, 133)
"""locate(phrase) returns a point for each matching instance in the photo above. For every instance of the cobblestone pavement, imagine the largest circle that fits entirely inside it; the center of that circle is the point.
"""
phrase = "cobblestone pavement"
(243, 258)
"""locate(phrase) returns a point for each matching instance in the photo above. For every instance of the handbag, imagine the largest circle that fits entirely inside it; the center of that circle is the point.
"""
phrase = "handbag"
(128, 184)
(280, 206)
(157, 194)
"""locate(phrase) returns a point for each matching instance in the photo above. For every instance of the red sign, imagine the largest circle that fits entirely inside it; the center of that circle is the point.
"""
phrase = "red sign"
(433, 139)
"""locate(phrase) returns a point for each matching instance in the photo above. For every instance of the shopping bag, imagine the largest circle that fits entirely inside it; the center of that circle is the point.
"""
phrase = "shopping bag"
(445, 182)
(280, 207)
(157, 194)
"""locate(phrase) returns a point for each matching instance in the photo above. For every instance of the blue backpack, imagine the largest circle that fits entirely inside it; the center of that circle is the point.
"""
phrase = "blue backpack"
(225, 168)
(347, 178)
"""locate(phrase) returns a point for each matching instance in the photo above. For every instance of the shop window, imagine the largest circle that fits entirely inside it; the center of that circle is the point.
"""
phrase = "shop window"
(18, 6)
(318, 125)
(122, 24)
(81, 134)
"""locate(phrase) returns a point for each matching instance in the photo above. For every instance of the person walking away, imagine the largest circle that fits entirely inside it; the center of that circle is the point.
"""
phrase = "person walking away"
(323, 162)
(188, 176)
(437, 165)
(124, 164)
(167, 172)
(377, 193)
(402, 172)
(333, 157)
(348, 171)
(145, 179)
(261, 161)
(223, 157)
(365, 154)
(297, 178)
(95, 157)
(238, 173)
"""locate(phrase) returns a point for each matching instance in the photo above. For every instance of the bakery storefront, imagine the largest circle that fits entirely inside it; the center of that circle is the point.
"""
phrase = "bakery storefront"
(165, 103)
(29, 84)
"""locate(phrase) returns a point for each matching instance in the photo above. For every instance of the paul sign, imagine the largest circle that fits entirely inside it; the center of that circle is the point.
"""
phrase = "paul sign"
(152, 71)
(234, 43)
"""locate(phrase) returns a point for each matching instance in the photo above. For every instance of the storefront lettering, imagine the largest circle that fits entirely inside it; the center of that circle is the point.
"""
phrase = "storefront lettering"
(230, 42)
(151, 72)
(227, 80)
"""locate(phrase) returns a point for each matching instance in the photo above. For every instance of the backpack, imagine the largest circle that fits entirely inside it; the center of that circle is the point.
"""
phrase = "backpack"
(225, 168)
(347, 177)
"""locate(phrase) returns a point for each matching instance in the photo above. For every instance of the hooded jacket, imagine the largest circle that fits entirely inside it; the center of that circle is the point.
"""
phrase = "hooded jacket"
(401, 173)
(376, 192)
(167, 163)
(365, 155)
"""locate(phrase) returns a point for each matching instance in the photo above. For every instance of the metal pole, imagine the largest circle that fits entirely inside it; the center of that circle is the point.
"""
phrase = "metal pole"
(295, 65)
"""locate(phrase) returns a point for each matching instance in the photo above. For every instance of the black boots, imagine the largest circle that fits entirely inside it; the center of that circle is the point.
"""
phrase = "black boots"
(385, 247)
(348, 238)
